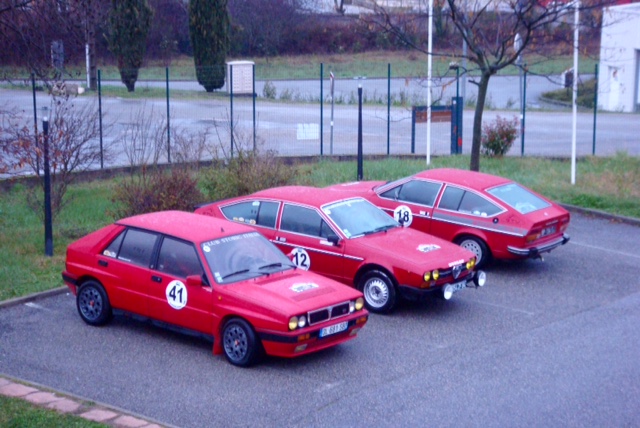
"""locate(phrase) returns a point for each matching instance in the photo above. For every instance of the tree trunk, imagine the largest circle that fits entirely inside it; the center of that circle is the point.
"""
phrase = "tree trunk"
(477, 121)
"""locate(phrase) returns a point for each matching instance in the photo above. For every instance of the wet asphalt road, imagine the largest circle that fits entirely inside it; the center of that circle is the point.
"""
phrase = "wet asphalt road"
(553, 343)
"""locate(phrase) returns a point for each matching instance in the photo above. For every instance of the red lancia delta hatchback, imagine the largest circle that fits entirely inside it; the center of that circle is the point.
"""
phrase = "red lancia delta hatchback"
(212, 277)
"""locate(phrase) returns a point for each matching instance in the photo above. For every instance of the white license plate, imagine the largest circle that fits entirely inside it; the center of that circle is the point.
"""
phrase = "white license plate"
(459, 286)
(333, 329)
(548, 231)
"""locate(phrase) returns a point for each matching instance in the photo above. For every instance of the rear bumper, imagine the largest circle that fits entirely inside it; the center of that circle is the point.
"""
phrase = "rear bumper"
(536, 251)
(296, 344)
(70, 281)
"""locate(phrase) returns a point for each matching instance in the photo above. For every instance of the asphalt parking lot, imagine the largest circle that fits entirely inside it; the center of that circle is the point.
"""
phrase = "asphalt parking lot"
(553, 343)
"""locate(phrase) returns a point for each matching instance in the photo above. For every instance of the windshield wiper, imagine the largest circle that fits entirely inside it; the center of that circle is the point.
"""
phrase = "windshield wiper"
(380, 229)
(277, 264)
(239, 272)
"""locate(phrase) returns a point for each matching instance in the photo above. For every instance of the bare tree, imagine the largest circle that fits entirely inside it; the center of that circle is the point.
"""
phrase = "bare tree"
(489, 29)
(72, 140)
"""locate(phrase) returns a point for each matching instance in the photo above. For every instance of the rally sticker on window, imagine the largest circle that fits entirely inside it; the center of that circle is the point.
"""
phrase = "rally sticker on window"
(403, 215)
(425, 248)
(176, 294)
(301, 258)
(299, 288)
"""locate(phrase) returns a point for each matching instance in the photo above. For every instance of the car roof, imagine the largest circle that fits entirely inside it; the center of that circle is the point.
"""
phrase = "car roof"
(307, 195)
(185, 225)
(472, 179)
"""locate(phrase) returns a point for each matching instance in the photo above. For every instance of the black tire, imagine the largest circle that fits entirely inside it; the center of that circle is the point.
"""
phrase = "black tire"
(93, 303)
(379, 291)
(239, 342)
(478, 247)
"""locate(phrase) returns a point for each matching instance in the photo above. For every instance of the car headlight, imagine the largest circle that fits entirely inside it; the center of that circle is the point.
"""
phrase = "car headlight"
(302, 321)
(359, 303)
(293, 323)
(435, 274)
(426, 276)
(471, 263)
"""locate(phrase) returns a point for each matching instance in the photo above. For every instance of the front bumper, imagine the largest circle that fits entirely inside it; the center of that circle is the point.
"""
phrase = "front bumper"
(417, 294)
(536, 251)
(294, 344)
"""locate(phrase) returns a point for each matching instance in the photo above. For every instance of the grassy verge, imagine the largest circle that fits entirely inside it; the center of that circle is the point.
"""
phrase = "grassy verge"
(18, 413)
(607, 184)
(370, 64)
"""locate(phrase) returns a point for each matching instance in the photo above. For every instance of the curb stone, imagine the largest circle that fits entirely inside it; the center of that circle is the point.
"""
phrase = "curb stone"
(73, 405)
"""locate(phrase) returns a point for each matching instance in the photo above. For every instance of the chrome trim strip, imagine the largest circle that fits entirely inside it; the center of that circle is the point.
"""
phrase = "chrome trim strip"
(316, 250)
(505, 230)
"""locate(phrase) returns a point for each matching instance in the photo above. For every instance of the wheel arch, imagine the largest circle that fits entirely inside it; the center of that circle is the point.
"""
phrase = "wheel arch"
(371, 267)
(217, 331)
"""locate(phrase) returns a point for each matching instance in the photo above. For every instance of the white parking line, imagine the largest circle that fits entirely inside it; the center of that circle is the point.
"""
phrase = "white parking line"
(595, 247)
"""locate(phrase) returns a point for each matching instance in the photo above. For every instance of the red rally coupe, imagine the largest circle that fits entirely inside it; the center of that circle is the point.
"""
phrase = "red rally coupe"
(214, 278)
(486, 214)
(350, 240)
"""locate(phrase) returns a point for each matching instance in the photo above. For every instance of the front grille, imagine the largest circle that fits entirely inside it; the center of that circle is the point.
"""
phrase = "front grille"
(328, 313)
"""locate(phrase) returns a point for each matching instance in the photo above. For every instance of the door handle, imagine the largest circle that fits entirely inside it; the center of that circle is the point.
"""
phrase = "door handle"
(155, 278)
(103, 263)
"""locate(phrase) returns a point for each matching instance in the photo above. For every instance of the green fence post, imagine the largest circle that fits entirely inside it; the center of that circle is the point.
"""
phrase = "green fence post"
(388, 109)
(595, 111)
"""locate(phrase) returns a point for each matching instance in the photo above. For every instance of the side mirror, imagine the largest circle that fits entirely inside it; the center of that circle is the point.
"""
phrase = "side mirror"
(334, 239)
(194, 281)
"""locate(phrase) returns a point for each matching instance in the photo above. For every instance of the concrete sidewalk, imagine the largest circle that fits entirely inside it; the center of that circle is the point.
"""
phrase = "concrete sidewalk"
(65, 404)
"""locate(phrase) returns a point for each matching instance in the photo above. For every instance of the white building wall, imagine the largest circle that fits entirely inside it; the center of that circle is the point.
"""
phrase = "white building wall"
(619, 69)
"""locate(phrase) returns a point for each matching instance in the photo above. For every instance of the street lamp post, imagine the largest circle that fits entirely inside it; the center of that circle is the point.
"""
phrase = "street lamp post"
(48, 229)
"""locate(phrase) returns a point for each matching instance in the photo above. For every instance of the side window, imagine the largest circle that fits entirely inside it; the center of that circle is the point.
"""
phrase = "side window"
(267, 214)
(114, 247)
(137, 247)
(253, 212)
(419, 192)
(301, 220)
(178, 258)
(451, 198)
(391, 193)
(477, 205)
(244, 212)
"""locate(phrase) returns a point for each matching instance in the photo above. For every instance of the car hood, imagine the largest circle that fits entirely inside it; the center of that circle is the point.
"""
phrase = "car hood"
(293, 292)
(410, 248)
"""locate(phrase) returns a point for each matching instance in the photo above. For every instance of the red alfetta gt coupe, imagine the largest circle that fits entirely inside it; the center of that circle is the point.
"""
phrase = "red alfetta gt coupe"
(491, 216)
(350, 240)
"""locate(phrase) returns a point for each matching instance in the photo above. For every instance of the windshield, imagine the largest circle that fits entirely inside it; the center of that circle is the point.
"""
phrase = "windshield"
(357, 217)
(518, 198)
(239, 257)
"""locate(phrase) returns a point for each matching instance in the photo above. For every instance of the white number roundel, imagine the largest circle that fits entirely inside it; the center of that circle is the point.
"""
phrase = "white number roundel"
(403, 215)
(176, 294)
(301, 258)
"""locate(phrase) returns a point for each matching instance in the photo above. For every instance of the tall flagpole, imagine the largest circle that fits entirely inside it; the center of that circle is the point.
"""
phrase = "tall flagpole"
(429, 57)
(576, 22)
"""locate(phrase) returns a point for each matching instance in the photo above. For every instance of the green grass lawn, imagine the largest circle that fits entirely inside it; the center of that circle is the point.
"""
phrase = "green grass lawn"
(18, 413)
(607, 184)
(371, 64)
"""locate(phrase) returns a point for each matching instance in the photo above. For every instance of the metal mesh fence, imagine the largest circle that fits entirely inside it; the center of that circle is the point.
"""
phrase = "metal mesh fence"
(304, 117)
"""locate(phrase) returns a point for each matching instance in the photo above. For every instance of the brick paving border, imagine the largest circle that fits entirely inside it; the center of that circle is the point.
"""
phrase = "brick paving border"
(74, 406)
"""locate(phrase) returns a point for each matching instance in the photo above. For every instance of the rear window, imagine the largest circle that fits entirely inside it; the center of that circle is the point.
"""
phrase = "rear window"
(518, 198)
